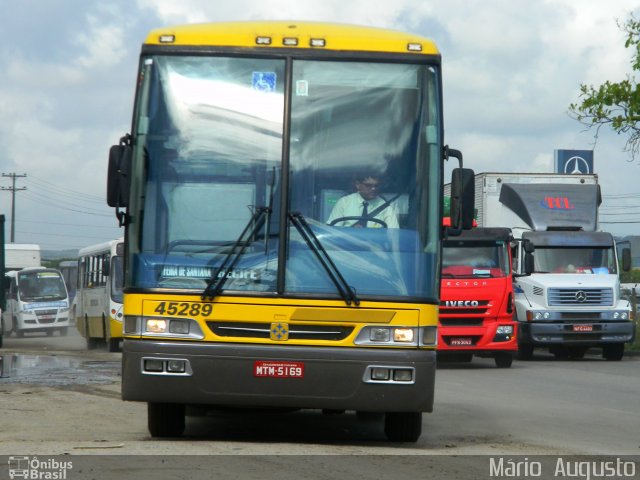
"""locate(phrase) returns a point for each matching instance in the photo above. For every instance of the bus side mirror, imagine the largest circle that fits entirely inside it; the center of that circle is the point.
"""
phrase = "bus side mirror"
(118, 178)
(626, 259)
(462, 198)
(106, 267)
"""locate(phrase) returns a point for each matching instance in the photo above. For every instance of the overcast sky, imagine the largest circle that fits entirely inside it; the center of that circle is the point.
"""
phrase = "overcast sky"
(511, 69)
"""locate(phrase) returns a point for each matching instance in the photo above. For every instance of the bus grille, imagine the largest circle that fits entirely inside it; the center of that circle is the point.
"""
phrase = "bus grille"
(580, 296)
(263, 330)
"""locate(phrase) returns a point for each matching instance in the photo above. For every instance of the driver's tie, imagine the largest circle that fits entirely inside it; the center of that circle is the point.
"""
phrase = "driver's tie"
(365, 213)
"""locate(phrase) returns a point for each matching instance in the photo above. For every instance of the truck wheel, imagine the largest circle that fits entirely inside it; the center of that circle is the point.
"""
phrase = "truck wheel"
(613, 352)
(525, 351)
(166, 419)
(503, 360)
(403, 426)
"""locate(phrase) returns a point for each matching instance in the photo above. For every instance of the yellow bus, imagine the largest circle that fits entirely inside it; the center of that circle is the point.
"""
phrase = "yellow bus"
(97, 306)
(243, 286)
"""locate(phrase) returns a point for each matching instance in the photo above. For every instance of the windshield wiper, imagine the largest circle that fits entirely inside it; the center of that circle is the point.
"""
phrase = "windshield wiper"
(217, 281)
(346, 292)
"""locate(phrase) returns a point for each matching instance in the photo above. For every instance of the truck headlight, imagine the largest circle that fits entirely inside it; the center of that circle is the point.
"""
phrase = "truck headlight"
(505, 329)
(538, 315)
(621, 315)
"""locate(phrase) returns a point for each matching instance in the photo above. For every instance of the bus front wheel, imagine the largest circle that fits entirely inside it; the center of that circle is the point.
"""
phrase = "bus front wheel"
(166, 419)
(403, 426)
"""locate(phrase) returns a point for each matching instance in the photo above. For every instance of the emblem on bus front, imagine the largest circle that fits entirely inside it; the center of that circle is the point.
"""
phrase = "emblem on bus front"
(279, 332)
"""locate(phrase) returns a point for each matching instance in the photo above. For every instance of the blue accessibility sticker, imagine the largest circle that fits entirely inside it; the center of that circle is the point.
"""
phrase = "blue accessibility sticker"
(264, 81)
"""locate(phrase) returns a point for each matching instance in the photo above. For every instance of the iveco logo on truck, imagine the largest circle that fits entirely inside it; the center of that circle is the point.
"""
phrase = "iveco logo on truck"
(461, 303)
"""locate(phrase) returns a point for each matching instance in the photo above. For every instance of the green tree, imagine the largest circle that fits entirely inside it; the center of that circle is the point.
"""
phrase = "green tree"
(616, 105)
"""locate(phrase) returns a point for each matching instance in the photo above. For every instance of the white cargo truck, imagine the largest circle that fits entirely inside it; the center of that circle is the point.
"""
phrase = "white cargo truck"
(571, 302)
(22, 255)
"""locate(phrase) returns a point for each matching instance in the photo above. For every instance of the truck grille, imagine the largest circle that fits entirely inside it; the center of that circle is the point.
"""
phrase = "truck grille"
(581, 296)
(461, 322)
(263, 330)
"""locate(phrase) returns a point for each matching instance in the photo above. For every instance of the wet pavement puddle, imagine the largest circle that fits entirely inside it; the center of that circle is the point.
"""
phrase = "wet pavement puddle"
(56, 370)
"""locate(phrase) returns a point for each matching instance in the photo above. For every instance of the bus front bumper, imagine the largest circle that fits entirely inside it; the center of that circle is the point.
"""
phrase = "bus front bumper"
(250, 375)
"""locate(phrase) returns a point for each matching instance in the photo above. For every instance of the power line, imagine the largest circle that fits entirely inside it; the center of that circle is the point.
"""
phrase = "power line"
(57, 190)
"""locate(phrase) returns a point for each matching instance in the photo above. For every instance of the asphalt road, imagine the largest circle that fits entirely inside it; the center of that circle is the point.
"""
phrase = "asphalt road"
(58, 398)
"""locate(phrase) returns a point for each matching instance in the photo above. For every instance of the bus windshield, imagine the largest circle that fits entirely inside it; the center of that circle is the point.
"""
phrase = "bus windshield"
(474, 259)
(230, 154)
(41, 285)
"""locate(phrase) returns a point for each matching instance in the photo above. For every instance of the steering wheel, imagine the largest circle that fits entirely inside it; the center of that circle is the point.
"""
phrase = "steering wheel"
(359, 218)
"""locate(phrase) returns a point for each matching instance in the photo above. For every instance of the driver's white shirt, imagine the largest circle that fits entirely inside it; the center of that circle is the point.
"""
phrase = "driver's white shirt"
(351, 206)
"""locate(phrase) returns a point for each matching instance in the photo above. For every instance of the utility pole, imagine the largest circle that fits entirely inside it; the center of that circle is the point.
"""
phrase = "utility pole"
(13, 190)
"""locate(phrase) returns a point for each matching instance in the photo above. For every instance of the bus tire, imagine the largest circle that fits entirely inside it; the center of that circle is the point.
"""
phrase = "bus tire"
(166, 419)
(503, 360)
(403, 426)
(613, 352)
(113, 345)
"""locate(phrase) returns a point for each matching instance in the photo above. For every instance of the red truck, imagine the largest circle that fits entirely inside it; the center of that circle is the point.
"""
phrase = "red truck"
(476, 297)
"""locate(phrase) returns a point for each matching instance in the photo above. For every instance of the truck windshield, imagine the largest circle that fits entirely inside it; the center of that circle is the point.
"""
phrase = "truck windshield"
(209, 136)
(41, 285)
(575, 260)
(465, 259)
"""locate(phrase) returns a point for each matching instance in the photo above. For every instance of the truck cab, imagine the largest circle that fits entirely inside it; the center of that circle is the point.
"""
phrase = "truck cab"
(571, 302)
(476, 297)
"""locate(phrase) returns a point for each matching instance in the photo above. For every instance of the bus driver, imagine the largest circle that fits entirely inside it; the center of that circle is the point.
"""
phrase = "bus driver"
(364, 208)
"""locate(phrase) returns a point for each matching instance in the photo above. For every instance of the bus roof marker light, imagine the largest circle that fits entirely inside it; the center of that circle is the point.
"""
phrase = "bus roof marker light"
(414, 47)
(167, 38)
(263, 40)
(318, 42)
(290, 41)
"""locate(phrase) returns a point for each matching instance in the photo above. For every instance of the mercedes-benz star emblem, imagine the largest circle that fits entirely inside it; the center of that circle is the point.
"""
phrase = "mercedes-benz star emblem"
(576, 165)
(581, 296)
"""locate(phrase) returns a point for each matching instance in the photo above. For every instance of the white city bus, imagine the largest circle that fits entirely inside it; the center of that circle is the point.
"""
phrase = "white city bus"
(97, 307)
(37, 301)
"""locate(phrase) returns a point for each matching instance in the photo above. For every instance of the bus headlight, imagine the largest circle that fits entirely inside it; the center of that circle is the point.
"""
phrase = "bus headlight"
(403, 335)
(156, 325)
(166, 327)
(376, 335)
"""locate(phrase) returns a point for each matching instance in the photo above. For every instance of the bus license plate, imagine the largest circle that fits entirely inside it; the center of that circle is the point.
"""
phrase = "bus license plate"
(583, 328)
(264, 368)
(461, 342)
